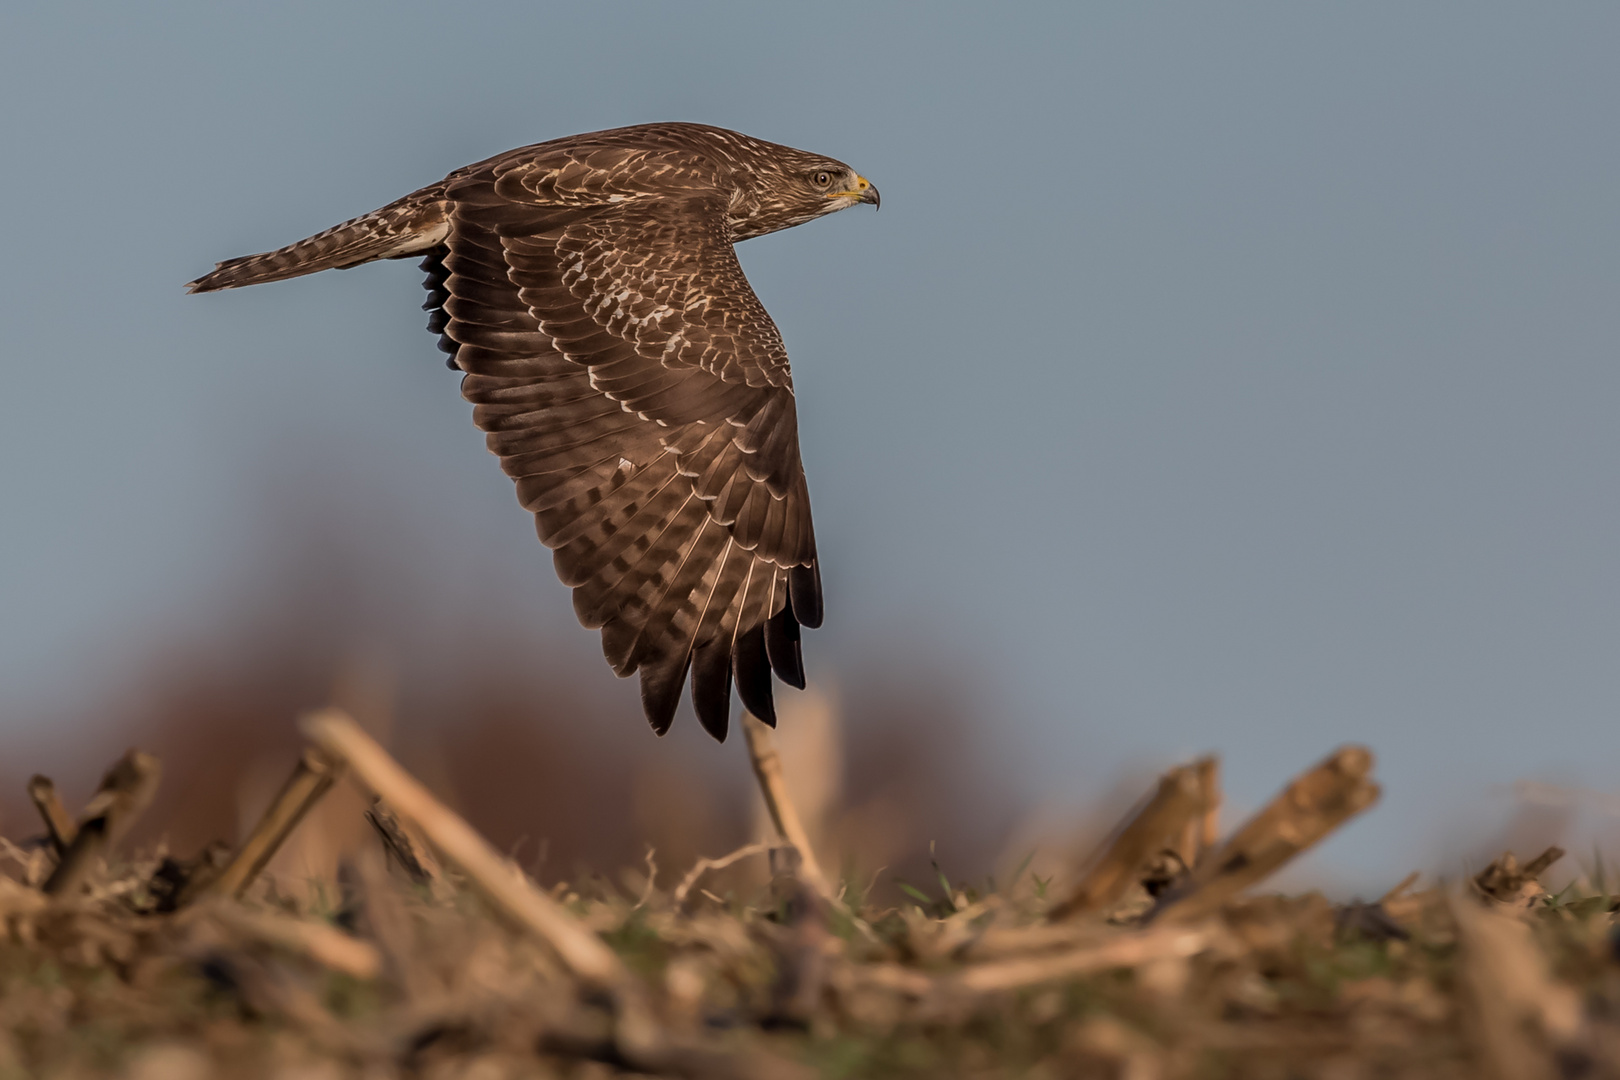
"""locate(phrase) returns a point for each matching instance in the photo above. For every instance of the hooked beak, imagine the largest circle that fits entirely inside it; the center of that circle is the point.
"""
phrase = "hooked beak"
(864, 191)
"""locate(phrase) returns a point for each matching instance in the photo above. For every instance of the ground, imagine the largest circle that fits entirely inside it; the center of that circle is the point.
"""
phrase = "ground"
(428, 955)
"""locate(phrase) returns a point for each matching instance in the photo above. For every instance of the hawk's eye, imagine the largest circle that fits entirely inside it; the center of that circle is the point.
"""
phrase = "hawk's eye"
(823, 178)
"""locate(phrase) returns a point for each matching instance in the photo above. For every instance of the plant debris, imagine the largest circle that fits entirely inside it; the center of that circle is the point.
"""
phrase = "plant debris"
(431, 955)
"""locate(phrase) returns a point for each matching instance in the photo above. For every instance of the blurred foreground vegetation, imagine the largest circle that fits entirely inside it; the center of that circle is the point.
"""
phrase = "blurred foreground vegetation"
(425, 954)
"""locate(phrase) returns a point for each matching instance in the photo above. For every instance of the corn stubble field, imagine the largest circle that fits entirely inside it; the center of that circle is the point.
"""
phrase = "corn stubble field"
(430, 954)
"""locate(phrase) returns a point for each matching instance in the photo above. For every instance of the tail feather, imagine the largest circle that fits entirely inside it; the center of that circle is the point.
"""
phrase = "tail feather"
(410, 226)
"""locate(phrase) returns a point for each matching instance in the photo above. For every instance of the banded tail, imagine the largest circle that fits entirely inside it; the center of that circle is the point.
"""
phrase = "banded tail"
(406, 227)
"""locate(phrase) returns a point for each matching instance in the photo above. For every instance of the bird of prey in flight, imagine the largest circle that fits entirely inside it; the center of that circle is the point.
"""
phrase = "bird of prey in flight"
(630, 381)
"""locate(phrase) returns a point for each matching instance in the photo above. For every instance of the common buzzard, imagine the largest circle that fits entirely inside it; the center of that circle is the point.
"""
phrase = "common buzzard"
(630, 381)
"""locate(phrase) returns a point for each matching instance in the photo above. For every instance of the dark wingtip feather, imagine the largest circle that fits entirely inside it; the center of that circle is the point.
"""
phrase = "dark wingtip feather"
(661, 692)
(438, 295)
(782, 647)
(752, 668)
(804, 591)
(711, 688)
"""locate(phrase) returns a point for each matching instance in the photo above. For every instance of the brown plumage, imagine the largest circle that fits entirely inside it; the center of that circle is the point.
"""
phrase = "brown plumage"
(630, 381)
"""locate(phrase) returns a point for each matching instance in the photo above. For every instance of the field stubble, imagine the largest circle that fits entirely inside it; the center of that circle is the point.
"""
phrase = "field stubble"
(430, 954)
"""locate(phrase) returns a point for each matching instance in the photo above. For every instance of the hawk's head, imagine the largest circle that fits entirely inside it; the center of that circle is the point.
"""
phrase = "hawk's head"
(781, 187)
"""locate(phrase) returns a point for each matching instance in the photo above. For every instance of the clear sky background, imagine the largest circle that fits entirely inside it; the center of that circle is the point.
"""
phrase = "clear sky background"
(1234, 377)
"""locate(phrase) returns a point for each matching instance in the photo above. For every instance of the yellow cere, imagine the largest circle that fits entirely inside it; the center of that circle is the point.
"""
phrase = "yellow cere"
(861, 184)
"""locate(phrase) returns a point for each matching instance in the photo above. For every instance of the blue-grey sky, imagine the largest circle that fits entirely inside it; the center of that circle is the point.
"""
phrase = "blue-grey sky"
(1236, 377)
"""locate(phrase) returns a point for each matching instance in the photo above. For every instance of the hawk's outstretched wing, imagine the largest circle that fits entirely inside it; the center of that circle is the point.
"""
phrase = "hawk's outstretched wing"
(638, 393)
(630, 381)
